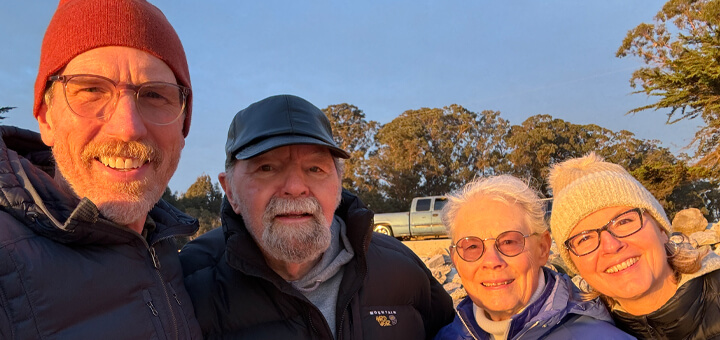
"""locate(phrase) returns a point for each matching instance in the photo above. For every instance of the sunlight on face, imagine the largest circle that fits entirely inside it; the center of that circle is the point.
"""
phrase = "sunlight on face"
(627, 269)
(500, 285)
(123, 164)
(287, 198)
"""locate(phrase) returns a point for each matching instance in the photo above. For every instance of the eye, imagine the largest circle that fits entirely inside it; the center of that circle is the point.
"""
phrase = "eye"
(624, 220)
(507, 242)
(266, 167)
(315, 169)
(580, 239)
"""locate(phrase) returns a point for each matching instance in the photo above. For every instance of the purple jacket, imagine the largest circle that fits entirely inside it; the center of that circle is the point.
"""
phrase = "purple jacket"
(559, 313)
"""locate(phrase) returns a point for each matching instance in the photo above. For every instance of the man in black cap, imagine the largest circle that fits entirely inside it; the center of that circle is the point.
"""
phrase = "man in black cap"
(296, 257)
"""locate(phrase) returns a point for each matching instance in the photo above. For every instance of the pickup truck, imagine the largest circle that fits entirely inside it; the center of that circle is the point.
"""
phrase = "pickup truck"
(423, 220)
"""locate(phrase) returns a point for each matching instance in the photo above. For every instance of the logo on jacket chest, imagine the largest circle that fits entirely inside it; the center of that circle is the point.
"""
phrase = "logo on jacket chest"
(385, 318)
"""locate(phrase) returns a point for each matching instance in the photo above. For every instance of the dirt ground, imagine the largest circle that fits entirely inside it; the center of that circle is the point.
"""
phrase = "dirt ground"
(429, 247)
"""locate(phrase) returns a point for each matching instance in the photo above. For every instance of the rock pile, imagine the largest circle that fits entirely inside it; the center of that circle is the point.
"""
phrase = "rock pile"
(443, 270)
(693, 224)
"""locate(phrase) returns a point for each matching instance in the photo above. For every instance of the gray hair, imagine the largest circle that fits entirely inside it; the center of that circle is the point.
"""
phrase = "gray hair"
(504, 188)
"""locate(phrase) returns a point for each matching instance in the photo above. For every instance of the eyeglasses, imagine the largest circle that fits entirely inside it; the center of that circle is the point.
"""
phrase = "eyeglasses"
(510, 243)
(93, 96)
(623, 225)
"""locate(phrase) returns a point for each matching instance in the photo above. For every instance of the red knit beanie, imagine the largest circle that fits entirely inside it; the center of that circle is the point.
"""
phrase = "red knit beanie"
(82, 25)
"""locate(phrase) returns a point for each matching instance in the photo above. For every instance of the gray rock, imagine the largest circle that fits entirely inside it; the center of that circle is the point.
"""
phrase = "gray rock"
(435, 261)
(689, 221)
(440, 273)
(451, 286)
(705, 237)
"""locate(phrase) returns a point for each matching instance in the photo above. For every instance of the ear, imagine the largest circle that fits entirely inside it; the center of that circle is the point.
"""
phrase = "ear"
(46, 126)
(544, 244)
(225, 184)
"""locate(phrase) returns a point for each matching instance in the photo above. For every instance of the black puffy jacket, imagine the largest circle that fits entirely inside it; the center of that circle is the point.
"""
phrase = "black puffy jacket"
(84, 277)
(692, 313)
(386, 290)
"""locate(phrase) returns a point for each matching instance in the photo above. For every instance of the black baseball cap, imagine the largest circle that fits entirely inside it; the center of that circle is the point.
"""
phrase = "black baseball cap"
(278, 121)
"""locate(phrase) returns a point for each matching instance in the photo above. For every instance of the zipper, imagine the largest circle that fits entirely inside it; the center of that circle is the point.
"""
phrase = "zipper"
(527, 330)
(465, 324)
(342, 317)
(182, 310)
(155, 318)
(152, 308)
(156, 265)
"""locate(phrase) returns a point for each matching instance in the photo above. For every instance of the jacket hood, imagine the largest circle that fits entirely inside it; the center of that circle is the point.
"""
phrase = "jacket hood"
(30, 194)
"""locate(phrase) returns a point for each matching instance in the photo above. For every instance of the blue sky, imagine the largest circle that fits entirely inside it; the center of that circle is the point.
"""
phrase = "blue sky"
(521, 58)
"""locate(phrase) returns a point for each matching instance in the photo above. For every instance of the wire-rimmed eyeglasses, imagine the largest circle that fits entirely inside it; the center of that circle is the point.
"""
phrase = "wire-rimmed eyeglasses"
(623, 225)
(94, 96)
(510, 243)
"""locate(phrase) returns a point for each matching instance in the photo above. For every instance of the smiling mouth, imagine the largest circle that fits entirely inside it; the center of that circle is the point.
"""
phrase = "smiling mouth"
(121, 163)
(622, 266)
(497, 284)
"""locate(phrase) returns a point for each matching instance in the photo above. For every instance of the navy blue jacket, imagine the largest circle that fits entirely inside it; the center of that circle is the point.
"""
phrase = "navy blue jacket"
(87, 278)
(557, 314)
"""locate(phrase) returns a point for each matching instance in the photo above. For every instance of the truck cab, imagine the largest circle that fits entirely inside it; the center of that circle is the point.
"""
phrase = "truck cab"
(423, 219)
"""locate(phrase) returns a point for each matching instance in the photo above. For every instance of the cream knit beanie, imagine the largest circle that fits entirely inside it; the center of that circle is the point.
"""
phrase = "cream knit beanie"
(587, 184)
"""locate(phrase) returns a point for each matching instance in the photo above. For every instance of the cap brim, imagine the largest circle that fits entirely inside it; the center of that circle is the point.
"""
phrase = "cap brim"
(278, 141)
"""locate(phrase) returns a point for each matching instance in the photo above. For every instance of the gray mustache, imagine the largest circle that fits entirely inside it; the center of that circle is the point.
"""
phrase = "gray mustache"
(281, 206)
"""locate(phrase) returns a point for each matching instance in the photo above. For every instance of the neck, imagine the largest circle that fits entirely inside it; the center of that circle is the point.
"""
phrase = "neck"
(64, 185)
(138, 225)
(653, 300)
(291, 271)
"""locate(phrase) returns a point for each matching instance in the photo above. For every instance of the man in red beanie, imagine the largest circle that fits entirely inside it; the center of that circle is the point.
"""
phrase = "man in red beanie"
(87, 247)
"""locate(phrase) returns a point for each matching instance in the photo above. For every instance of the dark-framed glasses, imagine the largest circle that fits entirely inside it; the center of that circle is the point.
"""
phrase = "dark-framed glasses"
(623, 225)
(93, 96)
(510, 243)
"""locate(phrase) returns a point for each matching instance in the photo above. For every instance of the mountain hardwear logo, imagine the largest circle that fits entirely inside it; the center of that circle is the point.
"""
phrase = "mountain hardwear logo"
(385, 318)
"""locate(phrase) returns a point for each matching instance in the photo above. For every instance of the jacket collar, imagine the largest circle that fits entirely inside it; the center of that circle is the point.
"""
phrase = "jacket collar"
(559, 298)
(676, 319)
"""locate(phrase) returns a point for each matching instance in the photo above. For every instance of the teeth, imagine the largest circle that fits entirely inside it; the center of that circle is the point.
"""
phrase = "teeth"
(121, 163)
(620, 266)
(496, 284)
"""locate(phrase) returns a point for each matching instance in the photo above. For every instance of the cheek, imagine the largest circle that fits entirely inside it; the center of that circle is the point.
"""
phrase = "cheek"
(466, 270)
(585, 265)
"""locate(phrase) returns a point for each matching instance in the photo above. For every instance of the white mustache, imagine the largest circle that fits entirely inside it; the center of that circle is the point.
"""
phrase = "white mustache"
(283, 206)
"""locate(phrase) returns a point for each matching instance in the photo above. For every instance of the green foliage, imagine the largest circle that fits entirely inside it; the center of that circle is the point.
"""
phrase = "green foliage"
(541, 141)
(682, 56)
(434, 151)
(356, 135)
(202, 200)
(4, 110)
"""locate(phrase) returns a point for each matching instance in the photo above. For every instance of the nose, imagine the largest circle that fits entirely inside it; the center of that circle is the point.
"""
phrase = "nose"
(294, 184)
(126, 123)
(609, 243)
(492, 259)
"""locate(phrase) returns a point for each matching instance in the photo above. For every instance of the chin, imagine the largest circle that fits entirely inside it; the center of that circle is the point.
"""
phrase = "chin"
(126, 212)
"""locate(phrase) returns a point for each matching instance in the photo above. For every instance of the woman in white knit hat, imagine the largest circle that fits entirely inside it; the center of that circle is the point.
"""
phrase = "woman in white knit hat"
(615, 234)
